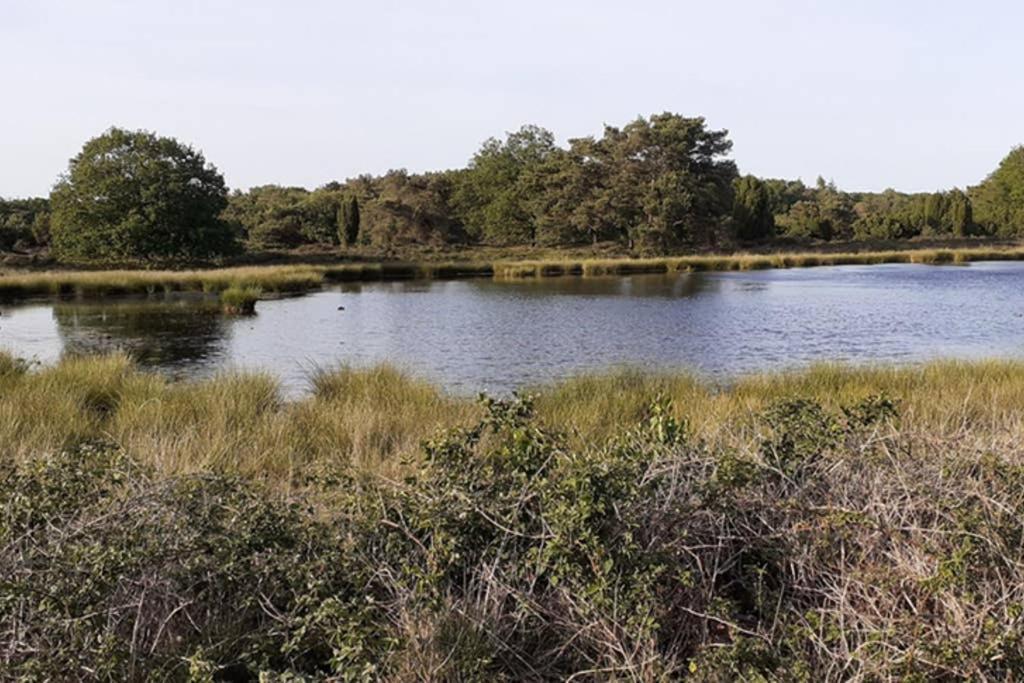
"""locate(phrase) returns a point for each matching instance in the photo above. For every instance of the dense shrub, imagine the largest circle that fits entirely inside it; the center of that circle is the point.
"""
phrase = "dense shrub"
(838, 548)
(24, 223)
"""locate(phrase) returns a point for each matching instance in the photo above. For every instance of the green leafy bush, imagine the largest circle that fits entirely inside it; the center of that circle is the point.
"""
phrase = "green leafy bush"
(507, 554)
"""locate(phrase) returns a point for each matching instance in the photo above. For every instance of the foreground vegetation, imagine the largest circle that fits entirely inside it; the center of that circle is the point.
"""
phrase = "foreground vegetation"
(255, 281)
(832, 524)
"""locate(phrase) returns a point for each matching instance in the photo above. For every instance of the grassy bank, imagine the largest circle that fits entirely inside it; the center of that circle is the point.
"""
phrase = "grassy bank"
(272, 279)
(369, 418)
(832, 524)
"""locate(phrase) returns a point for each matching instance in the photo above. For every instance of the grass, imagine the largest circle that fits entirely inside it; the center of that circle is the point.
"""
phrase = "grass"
(279, 279)
(376, 418)
(836, 523)
(298, 278)
(238, 300)
(235, 422)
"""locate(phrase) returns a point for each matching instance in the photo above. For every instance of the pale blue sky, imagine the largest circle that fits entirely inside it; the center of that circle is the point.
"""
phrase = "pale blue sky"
(914, 95)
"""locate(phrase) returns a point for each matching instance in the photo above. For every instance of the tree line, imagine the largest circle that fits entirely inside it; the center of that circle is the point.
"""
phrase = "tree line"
(656, 185)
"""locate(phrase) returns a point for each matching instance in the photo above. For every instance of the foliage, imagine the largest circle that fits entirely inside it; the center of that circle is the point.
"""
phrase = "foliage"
(658, 185)
(666, 180)
(825, 542)
(24, 223)
(348, 221)
(271, 216)
(240, 300)
(399, 208)
(999, 199)
(490, 197)
(752, 209)
(110, 574)
(136, 196)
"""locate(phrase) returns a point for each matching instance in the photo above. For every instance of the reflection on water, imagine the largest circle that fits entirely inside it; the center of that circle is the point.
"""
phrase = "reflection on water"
(171, 334)
(473, 335)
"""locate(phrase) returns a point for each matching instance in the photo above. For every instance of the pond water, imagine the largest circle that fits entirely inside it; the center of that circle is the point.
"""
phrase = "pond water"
(475, 335)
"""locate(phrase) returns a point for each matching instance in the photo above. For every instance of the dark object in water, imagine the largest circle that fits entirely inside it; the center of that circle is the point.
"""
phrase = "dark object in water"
(341, 308)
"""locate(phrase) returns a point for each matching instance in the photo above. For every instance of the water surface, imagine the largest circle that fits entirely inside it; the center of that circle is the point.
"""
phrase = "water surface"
(474, 335)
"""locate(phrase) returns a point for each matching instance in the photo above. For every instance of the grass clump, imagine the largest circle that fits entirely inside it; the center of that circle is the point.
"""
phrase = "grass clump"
(236, 300)
(90, 284)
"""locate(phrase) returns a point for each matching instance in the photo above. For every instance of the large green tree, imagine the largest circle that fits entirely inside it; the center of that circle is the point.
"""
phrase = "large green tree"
(654, 184)
(999, 201)
(669, 181)
(133, 195)
(491, 198)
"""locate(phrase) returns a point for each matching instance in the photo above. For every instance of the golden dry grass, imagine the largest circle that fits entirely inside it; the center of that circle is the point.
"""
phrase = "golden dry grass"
(376, 418)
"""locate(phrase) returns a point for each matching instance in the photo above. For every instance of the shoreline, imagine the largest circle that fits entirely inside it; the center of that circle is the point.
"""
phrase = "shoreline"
(294, 278)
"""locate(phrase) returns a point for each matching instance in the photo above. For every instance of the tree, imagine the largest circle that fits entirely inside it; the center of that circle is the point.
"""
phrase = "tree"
(752, 211)
(318, 213)
(131, 195)
(961, 213)
(24, 223)
(566, 197)
(348, 221)
(805, 221)
(999, 201)
(936, 212)
(271, 216)
(489, 198)
(667, 180)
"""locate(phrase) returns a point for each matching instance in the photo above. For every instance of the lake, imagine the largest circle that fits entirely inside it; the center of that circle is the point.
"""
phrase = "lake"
(477, 335)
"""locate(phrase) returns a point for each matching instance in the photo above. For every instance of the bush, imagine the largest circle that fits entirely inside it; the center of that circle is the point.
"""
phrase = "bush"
(830, 551)
(108, 573)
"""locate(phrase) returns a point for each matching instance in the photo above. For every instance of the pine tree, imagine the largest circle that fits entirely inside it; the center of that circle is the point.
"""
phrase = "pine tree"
(348, 221)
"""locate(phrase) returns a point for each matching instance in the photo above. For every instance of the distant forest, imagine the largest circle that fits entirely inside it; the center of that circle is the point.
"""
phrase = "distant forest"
(656, 185)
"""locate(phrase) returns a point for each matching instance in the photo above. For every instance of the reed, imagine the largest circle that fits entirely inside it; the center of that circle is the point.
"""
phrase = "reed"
(110, 282)
(376, 418)
(238, 300)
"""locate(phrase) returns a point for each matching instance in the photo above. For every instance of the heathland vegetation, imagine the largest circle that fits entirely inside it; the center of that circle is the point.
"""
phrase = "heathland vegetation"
(831, 524)
(656, 186)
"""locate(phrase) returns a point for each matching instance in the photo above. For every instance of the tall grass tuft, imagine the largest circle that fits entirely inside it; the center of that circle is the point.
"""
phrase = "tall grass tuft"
(236, 300)
(375, 418)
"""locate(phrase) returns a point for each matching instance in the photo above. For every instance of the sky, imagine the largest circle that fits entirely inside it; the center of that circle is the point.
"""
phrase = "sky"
(907, 94)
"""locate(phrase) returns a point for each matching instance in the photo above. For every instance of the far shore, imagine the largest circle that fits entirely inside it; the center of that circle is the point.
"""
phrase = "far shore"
(316, 271)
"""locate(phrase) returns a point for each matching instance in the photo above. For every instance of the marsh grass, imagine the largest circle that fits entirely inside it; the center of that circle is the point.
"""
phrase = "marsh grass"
(235, 422)
(942, 399)
(375, 419)
(299, 278)
(86, 284)
(238, 300)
